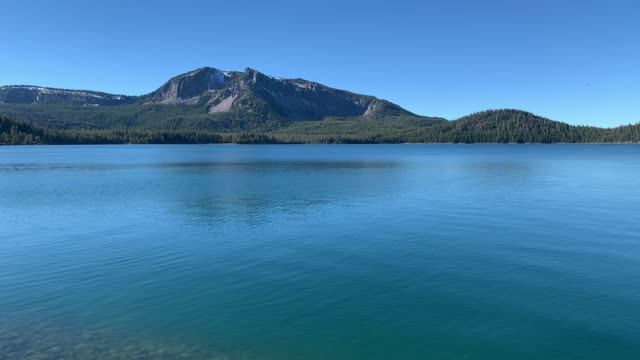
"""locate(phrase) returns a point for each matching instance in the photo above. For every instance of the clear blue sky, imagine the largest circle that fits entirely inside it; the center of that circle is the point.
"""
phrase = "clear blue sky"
(573, 61)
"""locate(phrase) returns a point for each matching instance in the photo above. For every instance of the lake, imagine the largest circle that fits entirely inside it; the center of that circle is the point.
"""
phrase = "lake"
(320, 252)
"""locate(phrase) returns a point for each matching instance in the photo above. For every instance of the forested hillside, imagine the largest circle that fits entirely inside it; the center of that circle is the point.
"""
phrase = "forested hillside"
(494, 126)
(15, 132)
(514, 126)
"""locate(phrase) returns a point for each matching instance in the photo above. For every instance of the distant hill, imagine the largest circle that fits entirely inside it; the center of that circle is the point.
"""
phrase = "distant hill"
(26, 94)
(515, 126)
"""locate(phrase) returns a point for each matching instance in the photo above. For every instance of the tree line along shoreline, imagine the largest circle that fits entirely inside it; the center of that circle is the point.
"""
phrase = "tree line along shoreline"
(490, 127)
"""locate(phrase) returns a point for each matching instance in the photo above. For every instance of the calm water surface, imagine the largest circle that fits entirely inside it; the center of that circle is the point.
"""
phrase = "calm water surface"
(320, 252)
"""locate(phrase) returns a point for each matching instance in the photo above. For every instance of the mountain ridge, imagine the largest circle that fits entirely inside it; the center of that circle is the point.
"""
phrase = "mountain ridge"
(219, 91)
(211, 105)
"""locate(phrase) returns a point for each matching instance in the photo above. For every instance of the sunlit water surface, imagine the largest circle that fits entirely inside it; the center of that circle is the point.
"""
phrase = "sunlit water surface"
(320, 252)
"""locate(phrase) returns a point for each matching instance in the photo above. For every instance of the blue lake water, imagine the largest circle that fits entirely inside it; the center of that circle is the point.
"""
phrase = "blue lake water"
(320, 252)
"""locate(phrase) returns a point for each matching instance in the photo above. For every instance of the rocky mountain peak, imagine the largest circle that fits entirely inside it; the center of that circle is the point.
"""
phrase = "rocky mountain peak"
(188, 87)
(248, 93)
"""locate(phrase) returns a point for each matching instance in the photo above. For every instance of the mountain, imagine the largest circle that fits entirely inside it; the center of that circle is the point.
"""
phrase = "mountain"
(208, 105)
(252, 91)
(205, 94)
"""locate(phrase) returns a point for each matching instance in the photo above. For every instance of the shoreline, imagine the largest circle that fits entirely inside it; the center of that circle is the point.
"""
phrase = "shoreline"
(511, 143)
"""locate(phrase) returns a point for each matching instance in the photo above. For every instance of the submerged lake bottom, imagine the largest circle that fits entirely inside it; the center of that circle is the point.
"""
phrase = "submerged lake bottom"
(320, 252)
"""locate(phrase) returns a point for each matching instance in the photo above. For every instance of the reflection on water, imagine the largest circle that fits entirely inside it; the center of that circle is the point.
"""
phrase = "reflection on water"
(255, 192)
(287, 165)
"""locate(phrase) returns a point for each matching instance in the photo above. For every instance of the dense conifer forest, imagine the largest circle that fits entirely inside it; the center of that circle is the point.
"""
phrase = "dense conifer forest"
(493, 126)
